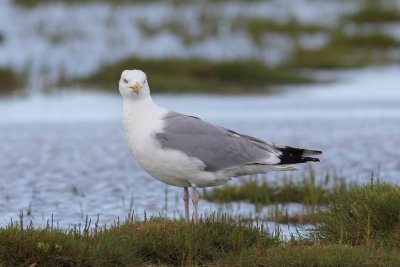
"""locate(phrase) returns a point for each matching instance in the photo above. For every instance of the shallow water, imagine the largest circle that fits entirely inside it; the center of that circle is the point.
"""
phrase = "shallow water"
(66, 155)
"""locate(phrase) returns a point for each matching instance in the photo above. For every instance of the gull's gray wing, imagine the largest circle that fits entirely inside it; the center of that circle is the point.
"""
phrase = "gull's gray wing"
(217, 147)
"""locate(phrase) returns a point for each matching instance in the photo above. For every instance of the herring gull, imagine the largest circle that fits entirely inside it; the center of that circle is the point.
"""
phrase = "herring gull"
(185, 151)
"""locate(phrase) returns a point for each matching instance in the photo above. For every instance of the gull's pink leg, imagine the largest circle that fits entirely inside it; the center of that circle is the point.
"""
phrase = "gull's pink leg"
(186, 200)
(195, 200)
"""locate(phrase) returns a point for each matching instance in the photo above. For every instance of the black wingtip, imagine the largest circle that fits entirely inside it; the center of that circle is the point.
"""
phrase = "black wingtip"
(292, 155)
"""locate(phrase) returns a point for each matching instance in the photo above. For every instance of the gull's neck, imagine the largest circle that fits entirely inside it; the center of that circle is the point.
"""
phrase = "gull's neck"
(141, 109)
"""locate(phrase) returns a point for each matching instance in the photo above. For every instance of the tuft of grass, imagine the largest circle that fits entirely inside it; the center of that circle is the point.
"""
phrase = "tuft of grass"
(331, 57)
(195, 75)
(374, 40)
(156, 241)
(180, 243)
(363, 215)
(306, 191)
(344, 51)
(10, 81)
(259, 26)
(375, 12)
(212, 242)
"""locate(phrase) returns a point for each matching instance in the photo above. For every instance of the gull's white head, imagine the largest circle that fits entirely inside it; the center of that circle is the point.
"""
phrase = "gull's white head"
(133, 84)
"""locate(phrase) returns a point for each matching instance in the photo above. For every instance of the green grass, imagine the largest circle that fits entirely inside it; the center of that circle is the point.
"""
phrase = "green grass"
(331, 57)
(157, 241)
(360, 228)
(259, 26)
(374, 40)
(344, 51)
(306, 191)
(10, 81)
(194, 75)
(364, 215)
(376, 12)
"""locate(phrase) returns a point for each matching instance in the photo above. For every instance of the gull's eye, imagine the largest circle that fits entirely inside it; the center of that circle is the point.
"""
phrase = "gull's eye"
(125, 80)
(144, 82)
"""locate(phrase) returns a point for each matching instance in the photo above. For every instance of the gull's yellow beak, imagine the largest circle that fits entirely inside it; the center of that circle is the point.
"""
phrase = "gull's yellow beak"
(136, 88)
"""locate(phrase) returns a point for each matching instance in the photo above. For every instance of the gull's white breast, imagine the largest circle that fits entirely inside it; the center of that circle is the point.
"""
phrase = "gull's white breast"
(167, 165)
